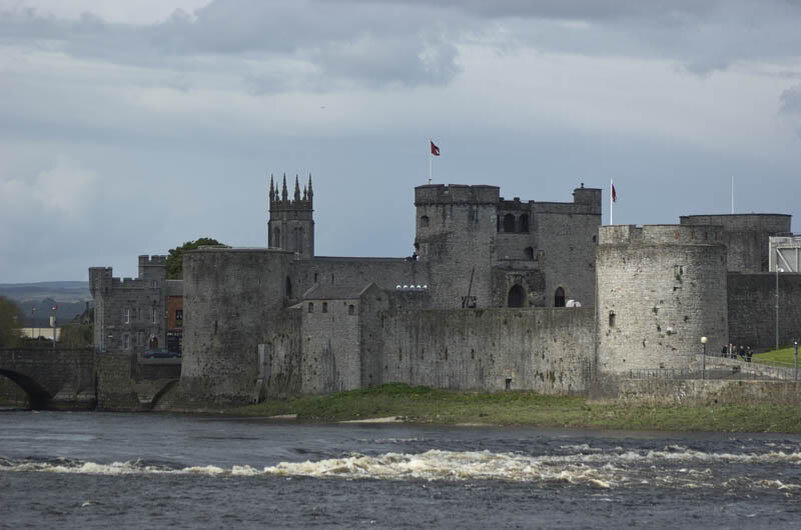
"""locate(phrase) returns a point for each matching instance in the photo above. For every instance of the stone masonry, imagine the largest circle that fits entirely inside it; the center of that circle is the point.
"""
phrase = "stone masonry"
(499, 295)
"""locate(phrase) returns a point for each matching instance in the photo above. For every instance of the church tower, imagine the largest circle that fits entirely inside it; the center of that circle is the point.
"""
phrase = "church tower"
(291, 224)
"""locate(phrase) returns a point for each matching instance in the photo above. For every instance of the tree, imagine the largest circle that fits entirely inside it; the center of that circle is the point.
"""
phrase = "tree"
(76, 335)
(11, 319)
(175, 260)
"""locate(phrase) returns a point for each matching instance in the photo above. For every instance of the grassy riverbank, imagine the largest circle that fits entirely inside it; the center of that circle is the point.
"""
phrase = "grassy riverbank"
(425, 405)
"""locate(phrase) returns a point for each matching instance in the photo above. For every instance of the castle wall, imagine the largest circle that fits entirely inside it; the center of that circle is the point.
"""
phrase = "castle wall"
(747, 236)
(545, 350)
(354, 274)
(330, 337)
(660, 289)
(456, 227)
(698, 392)
(752, 309)
(280, 370)
(229, 295)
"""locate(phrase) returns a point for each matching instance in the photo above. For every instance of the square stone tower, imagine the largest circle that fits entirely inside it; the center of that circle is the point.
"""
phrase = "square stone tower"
(291, 223)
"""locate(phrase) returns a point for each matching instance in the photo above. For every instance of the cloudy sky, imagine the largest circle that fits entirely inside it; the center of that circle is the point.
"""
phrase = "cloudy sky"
(127, 128)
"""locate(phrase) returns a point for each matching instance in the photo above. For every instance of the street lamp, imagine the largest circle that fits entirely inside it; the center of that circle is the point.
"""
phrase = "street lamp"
(778, 270)
(55, 308)
(703, 359)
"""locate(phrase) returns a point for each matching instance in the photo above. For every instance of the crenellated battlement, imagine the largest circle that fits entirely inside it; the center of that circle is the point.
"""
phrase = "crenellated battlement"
(431, 194)
(660, 235)
(152, 267)
(153, 261)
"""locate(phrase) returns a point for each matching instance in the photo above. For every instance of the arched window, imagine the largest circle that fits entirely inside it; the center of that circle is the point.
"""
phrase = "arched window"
(424, 220)
(523, 223)
(559, 298)
(529, 252)
(517, 296)
(508, 223)
(288, 287)
(277, 237)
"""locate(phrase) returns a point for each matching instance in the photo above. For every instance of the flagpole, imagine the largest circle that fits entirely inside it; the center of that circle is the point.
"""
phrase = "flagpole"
(611, 202)
(430, 158)
(732, 194)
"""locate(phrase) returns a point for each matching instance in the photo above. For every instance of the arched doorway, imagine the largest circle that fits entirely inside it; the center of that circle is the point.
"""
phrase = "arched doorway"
(523, 223)
(508, 223)
(517, 296)
(559, 298)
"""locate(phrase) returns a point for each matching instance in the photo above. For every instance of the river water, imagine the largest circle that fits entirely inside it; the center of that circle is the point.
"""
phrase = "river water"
(101, 470)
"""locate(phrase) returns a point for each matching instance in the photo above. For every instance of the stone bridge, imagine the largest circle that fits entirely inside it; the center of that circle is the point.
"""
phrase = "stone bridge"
(84, 379)
(61, 378)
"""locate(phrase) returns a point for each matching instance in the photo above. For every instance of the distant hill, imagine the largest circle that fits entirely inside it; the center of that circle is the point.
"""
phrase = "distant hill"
(70, 297)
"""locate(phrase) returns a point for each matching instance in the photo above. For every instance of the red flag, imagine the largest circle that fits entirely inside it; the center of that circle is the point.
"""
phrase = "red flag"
(614, 195)
(434, 149)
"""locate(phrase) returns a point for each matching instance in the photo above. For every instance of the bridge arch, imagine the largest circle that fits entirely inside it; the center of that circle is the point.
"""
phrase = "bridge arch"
(38, 396)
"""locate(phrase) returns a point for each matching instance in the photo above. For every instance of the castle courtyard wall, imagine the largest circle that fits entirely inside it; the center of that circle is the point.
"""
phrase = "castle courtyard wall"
(545, 350)
(752, 309)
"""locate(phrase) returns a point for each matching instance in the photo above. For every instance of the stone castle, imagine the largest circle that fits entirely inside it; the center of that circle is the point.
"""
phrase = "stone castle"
(498, 295)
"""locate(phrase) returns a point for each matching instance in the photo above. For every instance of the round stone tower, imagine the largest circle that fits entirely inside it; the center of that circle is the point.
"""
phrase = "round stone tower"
(660, 289)
(229, 297)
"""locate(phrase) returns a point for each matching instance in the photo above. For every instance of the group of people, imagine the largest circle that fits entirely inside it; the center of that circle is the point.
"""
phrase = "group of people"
(732, 351)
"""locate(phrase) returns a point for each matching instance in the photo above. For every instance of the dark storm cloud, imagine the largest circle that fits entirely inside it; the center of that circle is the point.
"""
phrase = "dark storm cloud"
(370, 44)
(411, 42)
(703, 36)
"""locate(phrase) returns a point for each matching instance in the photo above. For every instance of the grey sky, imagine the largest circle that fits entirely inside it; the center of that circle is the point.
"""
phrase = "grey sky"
(127, 128)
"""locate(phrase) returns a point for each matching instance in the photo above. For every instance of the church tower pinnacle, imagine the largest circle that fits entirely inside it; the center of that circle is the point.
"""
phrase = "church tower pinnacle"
(291, 222)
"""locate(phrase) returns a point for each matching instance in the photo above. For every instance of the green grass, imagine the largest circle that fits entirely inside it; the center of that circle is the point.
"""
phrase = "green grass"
(781, 357)
(426, 405)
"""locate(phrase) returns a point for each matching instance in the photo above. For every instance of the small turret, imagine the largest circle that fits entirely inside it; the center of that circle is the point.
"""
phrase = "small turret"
(284, 194)
(297, 189)
(311, 194)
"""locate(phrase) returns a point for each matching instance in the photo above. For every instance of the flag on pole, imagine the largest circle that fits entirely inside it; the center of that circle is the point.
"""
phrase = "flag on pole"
(434, 149)
(614, 194)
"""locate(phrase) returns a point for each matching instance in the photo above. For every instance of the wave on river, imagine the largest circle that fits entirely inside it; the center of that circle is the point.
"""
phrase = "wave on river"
(672, 467)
